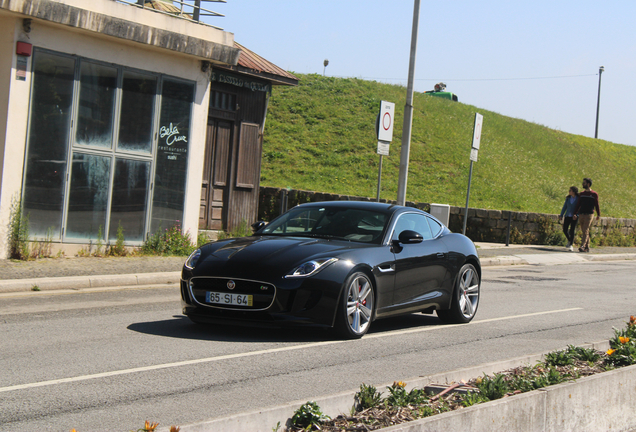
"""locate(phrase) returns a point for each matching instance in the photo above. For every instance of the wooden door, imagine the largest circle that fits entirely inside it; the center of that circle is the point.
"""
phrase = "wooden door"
(216, 172)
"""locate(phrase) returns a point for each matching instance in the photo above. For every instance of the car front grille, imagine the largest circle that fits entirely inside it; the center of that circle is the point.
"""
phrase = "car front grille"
(262, 293)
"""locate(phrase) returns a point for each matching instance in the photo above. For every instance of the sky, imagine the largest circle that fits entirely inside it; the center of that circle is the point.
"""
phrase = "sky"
(534, 60)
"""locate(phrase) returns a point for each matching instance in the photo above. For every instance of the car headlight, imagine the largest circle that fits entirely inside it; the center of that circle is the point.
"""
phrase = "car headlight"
(310, 267)
(191, 262)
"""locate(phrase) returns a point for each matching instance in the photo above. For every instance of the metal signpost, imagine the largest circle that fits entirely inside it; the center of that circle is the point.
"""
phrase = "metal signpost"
(408, 110)
(384, 129)
(479, 119)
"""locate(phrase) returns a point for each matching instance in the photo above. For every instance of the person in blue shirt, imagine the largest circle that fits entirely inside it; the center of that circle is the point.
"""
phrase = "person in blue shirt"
(569, 223)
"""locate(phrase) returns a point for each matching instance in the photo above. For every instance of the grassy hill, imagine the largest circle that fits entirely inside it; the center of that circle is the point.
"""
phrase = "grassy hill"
(321, 136)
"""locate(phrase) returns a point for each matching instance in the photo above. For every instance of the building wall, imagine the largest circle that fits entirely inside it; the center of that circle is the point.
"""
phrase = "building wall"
(15, 96)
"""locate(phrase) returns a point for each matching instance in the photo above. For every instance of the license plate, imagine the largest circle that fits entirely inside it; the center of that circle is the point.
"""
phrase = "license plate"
(228, 299)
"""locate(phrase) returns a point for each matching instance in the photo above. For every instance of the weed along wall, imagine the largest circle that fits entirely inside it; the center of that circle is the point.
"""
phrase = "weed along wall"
(483, 225)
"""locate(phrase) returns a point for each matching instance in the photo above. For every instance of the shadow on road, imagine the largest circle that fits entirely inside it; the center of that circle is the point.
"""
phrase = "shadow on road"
(181, 327)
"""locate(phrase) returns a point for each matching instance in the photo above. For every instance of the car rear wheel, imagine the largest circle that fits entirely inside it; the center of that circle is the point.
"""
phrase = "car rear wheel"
(355, 309)
(465, 297)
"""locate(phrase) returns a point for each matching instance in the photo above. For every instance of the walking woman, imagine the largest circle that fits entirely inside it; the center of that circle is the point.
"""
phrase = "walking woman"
(569, 223)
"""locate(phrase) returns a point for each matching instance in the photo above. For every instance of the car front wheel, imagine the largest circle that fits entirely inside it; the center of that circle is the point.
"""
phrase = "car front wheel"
(465, 297)
(355, 309)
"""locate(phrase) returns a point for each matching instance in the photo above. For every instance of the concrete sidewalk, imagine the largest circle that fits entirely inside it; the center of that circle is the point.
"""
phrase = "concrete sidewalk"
(78, 273)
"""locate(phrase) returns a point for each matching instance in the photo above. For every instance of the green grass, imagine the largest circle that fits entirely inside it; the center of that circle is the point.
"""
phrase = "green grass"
(320, 136)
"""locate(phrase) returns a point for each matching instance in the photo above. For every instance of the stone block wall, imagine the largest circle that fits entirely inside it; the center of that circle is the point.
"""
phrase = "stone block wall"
(482, 224)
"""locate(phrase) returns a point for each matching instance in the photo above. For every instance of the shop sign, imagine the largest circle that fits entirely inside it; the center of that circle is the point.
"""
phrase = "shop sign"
(170, 138)
(235, 80)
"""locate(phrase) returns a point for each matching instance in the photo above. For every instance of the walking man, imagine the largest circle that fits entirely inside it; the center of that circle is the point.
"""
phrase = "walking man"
(584, 211)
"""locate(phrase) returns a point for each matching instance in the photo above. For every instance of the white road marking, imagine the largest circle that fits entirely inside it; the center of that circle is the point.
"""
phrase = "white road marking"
(257, 353)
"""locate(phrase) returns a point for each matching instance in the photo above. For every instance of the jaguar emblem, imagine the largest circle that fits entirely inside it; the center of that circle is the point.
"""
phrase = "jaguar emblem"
(231, 285)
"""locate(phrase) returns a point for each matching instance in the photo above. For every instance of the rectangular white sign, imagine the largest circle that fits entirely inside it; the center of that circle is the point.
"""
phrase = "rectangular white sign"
(479, 119)
(385, 121)
(473, 154)
(383, 148)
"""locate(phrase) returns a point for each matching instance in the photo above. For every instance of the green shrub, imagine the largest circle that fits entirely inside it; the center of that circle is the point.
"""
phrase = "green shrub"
(18, 231)
(399, 397)
(172, 241)
(493, 388)
(118, 249)
(243, 230)
(308, 415)
(367, 397)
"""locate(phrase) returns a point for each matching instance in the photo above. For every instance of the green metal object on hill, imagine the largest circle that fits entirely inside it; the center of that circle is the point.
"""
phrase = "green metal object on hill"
(443, 95)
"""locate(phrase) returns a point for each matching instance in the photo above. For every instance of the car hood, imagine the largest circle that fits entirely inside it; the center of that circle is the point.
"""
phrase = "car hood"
(266, 254)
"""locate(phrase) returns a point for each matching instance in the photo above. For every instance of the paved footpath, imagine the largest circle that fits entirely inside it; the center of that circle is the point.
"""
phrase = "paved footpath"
(90, 272)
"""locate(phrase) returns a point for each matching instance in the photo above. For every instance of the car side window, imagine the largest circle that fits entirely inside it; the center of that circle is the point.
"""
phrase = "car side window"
(414, 222)
(435, 227)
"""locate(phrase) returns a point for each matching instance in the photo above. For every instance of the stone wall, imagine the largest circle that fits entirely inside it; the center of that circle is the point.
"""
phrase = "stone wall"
(482, 225)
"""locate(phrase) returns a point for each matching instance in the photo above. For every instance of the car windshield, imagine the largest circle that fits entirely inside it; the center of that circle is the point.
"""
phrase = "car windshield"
(330, 222)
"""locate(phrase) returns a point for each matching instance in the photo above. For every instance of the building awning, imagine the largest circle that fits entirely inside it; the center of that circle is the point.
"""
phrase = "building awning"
(250, 63)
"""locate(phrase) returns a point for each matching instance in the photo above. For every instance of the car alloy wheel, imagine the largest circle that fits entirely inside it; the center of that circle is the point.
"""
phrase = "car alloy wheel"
(468, 292)
(356, 311)
(465, 297)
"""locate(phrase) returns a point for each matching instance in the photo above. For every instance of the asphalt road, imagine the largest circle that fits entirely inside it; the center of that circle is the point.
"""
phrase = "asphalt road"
(108, 360)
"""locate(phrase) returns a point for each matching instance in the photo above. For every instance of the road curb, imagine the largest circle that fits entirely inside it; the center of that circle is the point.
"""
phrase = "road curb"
(83, 282)
(341, 403)
(501, 261)
(611, 257)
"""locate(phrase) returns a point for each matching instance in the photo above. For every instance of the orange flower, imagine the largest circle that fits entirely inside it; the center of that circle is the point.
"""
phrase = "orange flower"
(174, 429)
(623, 340)
(610, 351)
(150, 427)
(632, 320)
(399, 384)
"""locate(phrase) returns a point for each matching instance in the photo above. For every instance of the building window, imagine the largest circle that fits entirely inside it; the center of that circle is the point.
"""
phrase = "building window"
(137, 112)
(172, 154)
(222, 101)
(98, 85)
(49, 127)
(90, 164)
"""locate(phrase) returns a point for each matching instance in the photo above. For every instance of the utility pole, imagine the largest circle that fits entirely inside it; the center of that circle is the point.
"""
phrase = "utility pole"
(408, 111)
(598, 100)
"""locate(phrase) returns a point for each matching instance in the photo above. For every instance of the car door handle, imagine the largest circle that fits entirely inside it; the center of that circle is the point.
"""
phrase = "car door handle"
(386, 269)
(440, 255)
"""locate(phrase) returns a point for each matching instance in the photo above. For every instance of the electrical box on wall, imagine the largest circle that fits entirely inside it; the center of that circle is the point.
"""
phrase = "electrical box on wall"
(24, 49)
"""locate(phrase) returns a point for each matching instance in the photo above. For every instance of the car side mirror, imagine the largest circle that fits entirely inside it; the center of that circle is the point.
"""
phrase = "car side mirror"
(410, 236)
(258, 225)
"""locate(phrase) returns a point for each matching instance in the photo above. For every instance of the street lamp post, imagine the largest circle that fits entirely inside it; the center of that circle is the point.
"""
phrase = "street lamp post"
(598, 100)
(325, 63)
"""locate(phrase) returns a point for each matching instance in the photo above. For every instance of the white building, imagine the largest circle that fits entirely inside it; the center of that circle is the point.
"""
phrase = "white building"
(103, 118)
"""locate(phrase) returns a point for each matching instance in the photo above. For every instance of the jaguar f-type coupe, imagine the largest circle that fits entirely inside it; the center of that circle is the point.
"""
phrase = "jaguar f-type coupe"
(340, 264)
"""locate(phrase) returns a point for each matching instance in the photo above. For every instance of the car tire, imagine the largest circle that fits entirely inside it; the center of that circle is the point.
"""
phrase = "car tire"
(465, 297)
(356, 307)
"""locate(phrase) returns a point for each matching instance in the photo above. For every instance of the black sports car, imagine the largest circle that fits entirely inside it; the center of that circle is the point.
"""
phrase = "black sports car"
(339, 264)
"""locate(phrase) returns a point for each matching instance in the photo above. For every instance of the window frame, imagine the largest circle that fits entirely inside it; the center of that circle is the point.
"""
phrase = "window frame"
(115, 152)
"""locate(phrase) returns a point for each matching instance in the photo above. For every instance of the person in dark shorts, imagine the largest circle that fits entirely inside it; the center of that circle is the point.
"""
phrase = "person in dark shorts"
(584, 211)
(569, 223)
